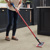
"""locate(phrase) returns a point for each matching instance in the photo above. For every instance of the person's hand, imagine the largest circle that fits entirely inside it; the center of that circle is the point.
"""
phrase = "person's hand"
(9, 4)
(18, 9)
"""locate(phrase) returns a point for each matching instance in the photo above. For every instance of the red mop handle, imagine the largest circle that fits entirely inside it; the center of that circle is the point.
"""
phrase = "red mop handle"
(24, 21)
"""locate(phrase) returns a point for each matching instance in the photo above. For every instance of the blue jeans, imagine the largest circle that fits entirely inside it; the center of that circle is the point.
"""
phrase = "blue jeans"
(13, 16)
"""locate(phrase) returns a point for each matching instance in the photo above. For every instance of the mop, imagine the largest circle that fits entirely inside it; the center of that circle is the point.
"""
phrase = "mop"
(40, 43)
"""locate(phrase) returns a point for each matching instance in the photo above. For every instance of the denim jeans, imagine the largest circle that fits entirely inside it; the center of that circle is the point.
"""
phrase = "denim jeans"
(13, 16)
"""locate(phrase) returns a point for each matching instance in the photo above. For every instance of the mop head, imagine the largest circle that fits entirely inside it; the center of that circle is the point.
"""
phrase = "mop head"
(40, 44)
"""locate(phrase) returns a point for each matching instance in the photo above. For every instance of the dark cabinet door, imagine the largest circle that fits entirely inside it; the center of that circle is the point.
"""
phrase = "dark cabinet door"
(44, 22)
(3, 19)
(25, 13)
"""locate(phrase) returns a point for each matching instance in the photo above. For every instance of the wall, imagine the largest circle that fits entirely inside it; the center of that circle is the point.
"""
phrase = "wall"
(2, 1)
(48, 2)
(34, 5)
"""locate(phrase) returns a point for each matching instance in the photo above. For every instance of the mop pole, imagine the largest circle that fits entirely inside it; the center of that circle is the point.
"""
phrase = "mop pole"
(40, 43)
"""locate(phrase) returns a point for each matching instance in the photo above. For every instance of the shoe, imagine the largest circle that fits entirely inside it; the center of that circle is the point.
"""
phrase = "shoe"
(14, 39)
(8, 39)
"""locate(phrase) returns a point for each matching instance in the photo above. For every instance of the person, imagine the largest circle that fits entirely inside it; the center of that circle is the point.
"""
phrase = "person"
(13, 16)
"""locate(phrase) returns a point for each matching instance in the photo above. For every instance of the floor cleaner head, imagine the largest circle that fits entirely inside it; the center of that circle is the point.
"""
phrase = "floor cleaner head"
(40, 44)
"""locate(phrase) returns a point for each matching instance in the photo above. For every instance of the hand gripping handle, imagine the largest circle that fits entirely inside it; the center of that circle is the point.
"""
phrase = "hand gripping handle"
(12, 5)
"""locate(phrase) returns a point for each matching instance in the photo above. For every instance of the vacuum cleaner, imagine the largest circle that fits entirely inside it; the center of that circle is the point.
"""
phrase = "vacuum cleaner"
(40, 43)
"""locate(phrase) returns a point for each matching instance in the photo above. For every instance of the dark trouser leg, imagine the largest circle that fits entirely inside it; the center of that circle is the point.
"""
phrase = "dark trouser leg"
(15, 23)
(10, 23)
(8, 29)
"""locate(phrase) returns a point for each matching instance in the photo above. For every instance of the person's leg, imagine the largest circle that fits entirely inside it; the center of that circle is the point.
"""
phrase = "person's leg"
(9, 23)
(15, 25)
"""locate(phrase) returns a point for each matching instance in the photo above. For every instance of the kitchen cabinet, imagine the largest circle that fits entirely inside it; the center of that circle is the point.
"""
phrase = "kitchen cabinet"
(44, 20)
(27, 14)
(3, 19)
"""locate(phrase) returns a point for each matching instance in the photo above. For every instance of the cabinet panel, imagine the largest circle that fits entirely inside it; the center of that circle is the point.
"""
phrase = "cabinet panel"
(26, 15)
(44, 22)
(3, 19)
